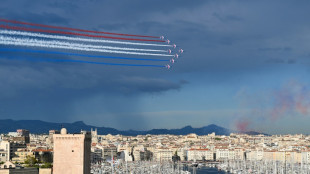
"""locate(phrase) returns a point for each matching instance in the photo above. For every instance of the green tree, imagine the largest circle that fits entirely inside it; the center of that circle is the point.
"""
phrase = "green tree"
(47, 165)
(204, 158)
(31, 161)
(176, 157)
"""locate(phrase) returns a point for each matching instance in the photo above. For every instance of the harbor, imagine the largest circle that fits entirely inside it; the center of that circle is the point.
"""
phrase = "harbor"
(225, 167)
(151, 167)
(264, 166)
(137, 167)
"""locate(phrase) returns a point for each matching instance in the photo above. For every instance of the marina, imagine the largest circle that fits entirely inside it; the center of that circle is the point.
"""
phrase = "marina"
(232, 166)
(264, 166)
(150, 167)
(137, 167)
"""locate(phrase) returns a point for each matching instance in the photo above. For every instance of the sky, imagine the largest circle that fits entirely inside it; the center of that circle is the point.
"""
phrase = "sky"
(245, 66)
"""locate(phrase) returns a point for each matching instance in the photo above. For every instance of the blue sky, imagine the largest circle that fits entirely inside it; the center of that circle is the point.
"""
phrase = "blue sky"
(242, 61)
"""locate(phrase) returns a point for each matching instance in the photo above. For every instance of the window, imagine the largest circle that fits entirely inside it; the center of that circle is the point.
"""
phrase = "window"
(5, 166)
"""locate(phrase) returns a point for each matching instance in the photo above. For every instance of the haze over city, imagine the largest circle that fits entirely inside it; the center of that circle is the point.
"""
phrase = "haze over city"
(245, 67)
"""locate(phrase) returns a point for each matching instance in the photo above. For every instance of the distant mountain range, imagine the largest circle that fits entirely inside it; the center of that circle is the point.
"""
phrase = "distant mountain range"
(42, 127)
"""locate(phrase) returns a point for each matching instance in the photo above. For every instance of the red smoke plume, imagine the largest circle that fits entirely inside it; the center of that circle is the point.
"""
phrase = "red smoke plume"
(242, 125)
(293, 98)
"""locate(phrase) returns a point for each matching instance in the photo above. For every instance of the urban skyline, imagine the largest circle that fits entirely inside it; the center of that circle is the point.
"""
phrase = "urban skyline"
(119, 153)
(245, 67)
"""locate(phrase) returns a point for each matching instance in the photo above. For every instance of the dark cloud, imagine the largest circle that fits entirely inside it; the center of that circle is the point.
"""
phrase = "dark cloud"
(149, 85)
(62, 76)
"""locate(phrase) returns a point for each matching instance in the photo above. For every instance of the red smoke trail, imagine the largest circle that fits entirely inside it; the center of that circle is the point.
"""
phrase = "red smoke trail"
(242, 125)
(283, 104)
(294, 98)
(72, 33)
(300, 107)
(290, 100)
(72, 29)
(303, 102)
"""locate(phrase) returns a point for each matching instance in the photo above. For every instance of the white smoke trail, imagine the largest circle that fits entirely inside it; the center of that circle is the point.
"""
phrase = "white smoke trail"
(21, 33)
(55, 44)
(104, 47)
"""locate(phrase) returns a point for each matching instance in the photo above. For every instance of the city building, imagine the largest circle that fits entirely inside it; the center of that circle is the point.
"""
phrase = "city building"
(43, 155)
(108, 152)
(50, 137)
(22, 136)
(8, 149)
(163, 154)
(4, 151)
(200, 154)
(21, 155)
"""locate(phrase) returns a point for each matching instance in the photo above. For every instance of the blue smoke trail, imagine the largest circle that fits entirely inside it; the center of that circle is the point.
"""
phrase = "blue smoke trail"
(79, 61)
(74, 54)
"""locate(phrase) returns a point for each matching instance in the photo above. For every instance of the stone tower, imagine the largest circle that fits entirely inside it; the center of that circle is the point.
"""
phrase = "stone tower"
(94, 135)
(71, 153)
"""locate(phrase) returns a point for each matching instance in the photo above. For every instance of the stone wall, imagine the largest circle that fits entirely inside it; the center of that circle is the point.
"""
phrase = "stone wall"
(45, 171)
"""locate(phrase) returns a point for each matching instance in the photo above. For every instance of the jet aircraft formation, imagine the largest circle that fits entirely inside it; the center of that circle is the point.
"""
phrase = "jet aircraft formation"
(32, 41)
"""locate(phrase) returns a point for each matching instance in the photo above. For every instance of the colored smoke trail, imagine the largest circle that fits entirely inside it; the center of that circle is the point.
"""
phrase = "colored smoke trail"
(23, 33)
(302, 106)
(242, 125)
(81, 61)
(72, 33)
(74, 54)
(47, 37)
(291, 100)
(66, 45)
(72, 29)
(56, 42)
